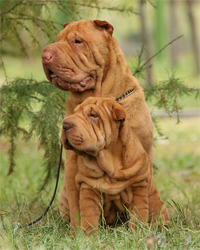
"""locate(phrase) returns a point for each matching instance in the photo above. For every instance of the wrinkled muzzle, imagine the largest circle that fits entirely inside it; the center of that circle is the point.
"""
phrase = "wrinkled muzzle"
(66, 69)
(78, 135)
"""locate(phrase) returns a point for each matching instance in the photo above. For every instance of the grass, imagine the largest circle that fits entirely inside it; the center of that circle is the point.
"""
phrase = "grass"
(176, 177)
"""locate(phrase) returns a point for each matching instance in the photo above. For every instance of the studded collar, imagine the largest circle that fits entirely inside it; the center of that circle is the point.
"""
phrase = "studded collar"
(124, 95)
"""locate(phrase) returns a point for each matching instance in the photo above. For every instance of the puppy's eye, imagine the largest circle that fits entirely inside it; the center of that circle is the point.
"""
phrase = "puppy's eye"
(93, 115)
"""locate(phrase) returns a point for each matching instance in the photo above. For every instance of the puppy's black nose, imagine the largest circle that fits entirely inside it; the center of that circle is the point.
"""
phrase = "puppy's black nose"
(67, 126)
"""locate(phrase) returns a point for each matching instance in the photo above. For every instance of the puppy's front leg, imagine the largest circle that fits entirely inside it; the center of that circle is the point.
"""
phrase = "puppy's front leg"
(140, 209)
(158, 211)
(90, 208)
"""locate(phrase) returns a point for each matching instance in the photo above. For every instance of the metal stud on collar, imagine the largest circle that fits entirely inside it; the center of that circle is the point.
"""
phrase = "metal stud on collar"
(124, 95)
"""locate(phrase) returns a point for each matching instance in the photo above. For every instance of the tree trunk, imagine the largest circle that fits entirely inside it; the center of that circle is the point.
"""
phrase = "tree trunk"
(195, 42)
(145, 38)
(160, 33)
(173, 32)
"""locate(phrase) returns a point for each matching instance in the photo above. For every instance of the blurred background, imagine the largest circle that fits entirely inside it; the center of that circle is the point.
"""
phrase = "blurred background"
(153, 24)
(136, 22)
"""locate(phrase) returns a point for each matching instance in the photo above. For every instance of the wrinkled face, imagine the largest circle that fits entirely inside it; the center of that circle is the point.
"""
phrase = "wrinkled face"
(80, 55)
(93, 126)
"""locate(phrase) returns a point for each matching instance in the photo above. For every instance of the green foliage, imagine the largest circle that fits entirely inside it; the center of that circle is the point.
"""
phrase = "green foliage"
(167, 94)
(22, 21)
(27, 21)
(43, 107)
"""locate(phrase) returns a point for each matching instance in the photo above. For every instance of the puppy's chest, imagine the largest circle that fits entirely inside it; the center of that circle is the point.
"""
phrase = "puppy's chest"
(89, 167)
(121, 201)
(91, 175)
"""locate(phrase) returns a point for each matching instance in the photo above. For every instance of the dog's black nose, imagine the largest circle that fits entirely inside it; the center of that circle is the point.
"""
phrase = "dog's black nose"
(66, 126)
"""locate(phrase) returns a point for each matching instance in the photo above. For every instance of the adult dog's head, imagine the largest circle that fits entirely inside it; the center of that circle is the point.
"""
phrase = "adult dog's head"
(80, 56)
(95, 125)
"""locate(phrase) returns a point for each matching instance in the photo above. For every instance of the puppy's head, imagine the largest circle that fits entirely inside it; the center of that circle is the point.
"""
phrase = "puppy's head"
(94, 125)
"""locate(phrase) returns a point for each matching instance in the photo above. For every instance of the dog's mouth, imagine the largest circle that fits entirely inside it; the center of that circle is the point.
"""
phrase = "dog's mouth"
(86, 83)
(68, 145)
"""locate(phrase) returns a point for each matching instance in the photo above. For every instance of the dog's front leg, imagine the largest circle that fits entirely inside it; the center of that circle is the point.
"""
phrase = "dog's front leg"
(139, 213)
(90, 209)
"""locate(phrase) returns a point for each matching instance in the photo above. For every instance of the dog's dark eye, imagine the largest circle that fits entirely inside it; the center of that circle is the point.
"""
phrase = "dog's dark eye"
(78, 41)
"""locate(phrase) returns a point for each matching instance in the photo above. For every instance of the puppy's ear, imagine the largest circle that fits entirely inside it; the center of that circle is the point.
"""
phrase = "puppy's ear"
(118, 112)
(104, 25)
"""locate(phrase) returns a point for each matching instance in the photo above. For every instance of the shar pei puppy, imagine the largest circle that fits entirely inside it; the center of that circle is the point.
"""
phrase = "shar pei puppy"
(113, 172)
(87, 61)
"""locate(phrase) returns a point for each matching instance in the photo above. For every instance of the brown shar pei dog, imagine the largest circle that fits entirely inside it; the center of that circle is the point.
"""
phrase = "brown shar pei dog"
(86, 60)
(113, 168)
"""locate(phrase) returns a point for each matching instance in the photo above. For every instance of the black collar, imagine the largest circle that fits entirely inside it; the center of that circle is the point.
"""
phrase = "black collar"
(124, 95)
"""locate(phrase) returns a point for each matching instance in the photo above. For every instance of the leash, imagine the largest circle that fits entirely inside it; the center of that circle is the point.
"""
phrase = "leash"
(58, 171)
(54, 194)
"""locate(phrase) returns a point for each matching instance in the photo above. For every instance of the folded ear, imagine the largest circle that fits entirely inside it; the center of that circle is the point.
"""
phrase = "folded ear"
(104, 25)
(65, 24)
(118, 112)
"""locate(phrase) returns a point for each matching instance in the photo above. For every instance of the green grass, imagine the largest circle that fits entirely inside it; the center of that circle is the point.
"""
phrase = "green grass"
(176, 177)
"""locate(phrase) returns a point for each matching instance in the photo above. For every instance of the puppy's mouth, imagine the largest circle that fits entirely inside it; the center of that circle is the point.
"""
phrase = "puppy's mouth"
(68, 146)
(72, 85)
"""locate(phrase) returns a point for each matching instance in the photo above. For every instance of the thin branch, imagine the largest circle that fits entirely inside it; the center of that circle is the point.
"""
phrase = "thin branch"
(160, 51)
(22, 44)
(13, 7)
(152, 4)
(31, 18)
(107, 8)
(28, 30)
(4, 69)
(88, 6)
(10, 121)
(167, 88)
(36, 98)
